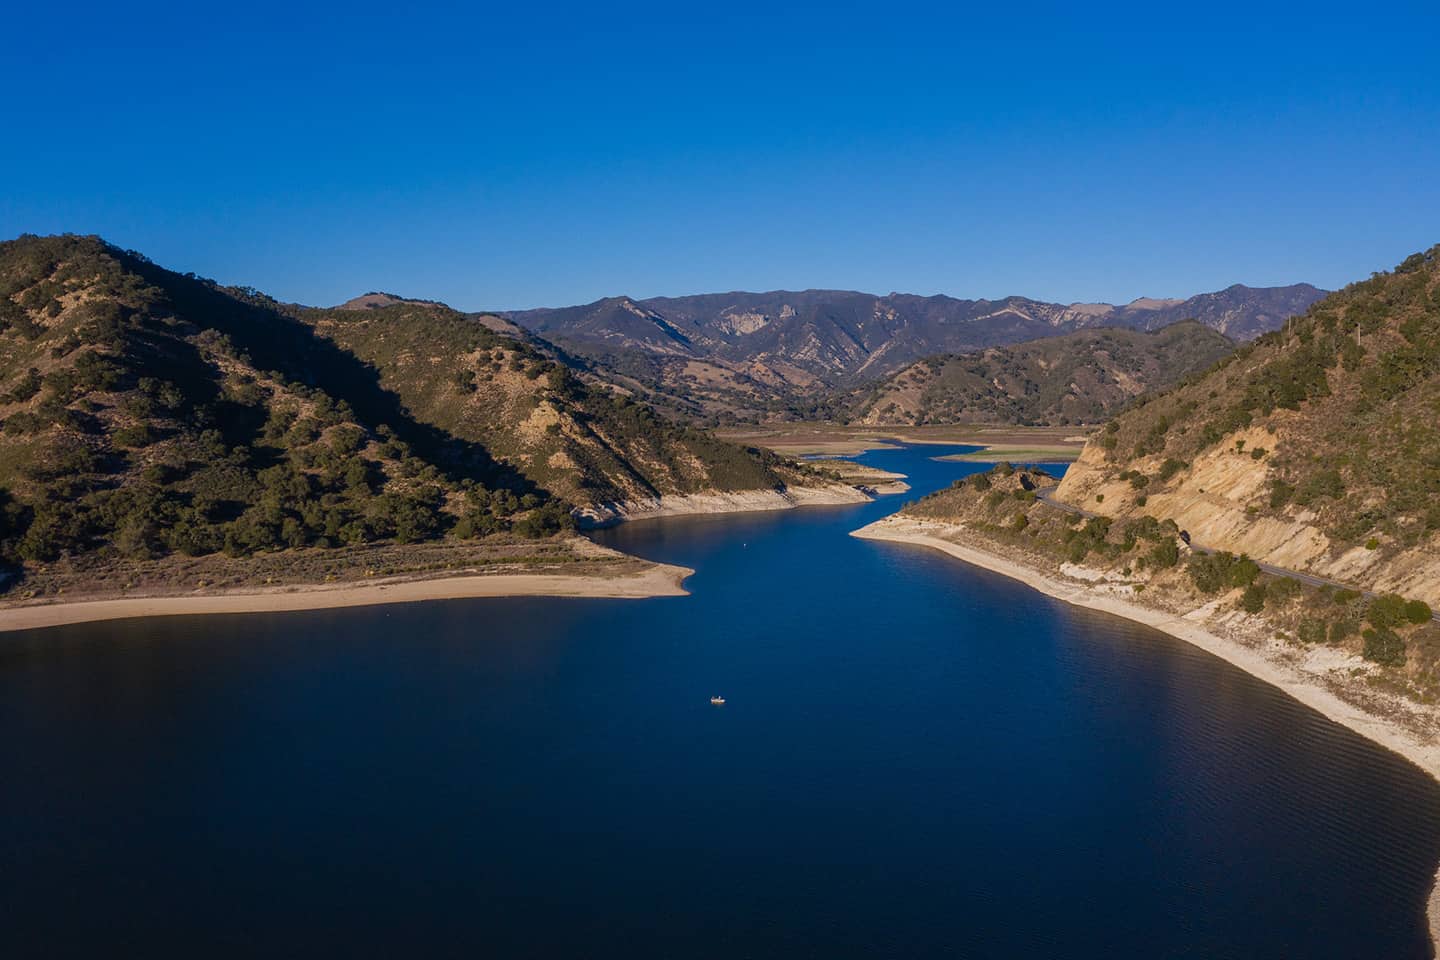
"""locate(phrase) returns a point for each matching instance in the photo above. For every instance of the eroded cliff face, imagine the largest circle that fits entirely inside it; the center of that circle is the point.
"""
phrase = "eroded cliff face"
(1223, 500)
(1315, 449)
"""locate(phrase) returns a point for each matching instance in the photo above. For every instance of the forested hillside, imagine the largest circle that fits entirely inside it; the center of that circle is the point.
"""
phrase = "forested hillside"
(144, 413)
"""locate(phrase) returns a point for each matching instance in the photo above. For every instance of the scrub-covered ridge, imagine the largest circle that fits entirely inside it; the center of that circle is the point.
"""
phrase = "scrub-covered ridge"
(146, 414)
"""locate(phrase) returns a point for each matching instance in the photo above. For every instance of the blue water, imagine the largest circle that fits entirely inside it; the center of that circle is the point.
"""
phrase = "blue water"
(917, 759)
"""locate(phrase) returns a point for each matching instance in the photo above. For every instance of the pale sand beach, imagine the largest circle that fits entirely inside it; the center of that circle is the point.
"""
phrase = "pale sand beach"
(656, 580)
(1308, 690)
(739, 501)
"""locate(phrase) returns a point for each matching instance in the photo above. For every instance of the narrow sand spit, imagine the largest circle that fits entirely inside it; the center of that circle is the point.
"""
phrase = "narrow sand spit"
(657, 580)
(1423, 753)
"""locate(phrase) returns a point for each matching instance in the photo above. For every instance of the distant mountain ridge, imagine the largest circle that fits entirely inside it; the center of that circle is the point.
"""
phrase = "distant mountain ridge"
(1081, 377)
(847, 336)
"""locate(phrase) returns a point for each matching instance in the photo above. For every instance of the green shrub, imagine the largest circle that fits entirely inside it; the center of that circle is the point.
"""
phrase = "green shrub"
(1322, 483)
(1387, 610)
(1281, 589)
(1341, 629)
(1280, 492)
(1312, 630)
(1169, 468)
(1418, 611)
(1165, 554)
(25, 388)
(134, 436)
(1243, 571)
(1217, 572)
(1384, 646)
(1253, 599)
(545, 521)
(1092, 536)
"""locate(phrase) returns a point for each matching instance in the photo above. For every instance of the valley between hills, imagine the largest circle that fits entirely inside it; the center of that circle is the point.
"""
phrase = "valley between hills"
(1255, 472)
(166, 436)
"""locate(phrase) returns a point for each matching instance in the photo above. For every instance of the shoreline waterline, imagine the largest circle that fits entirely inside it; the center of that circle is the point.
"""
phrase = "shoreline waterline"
(657, 580)
(1425, 756)
(600, 516)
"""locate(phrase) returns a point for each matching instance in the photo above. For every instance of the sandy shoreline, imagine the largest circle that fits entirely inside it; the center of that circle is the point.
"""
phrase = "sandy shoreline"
(1425, 755)
(657, 580)
(736, 501)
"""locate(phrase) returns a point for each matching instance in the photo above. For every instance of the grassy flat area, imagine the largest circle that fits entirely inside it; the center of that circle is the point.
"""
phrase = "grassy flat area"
(834, 439)
(851, 472)
(95, 577)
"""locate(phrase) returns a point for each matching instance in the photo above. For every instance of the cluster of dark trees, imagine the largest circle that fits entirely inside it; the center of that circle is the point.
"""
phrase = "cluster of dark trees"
(151, 434)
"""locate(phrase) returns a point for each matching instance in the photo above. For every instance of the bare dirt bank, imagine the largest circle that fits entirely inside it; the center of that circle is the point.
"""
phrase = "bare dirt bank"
(655, 580)
(740, 501)
(1397, 728)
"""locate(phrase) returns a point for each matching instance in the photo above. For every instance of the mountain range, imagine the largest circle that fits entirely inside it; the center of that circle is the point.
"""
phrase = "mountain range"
(845, 337)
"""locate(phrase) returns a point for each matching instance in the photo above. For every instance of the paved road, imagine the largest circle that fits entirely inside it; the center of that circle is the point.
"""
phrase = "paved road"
(1046, 494)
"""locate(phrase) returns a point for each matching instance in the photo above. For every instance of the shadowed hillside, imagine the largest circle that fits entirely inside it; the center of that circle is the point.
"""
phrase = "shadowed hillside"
(145, 414)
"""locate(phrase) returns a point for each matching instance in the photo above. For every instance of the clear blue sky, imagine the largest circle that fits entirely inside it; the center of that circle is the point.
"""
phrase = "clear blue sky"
(492, 157)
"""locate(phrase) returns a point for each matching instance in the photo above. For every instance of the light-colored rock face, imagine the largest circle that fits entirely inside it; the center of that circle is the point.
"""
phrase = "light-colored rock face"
(1090, 309)
(741, 323)
(632, 307)
(1209, 500)
(740, 501)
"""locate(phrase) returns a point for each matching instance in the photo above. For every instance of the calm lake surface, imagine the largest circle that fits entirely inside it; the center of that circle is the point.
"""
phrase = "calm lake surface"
(917, 758)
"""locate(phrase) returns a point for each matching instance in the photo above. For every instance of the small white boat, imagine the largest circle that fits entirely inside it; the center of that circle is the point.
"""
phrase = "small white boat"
(718, 701)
